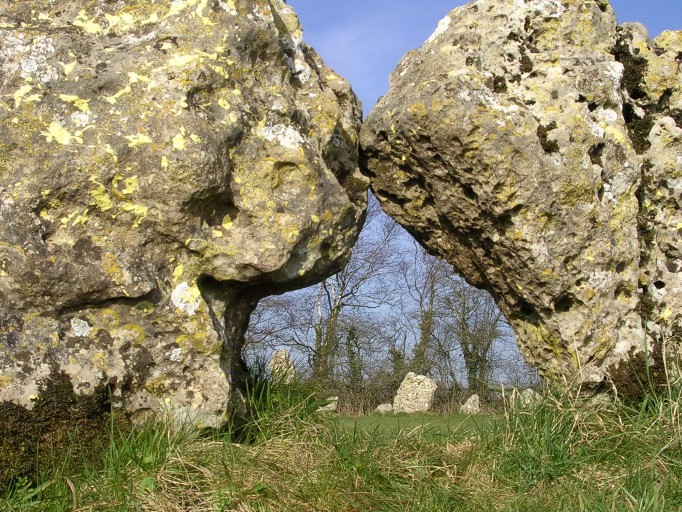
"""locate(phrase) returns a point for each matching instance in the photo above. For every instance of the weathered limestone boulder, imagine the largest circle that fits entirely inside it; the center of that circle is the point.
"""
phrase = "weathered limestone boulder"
(525, 399)
(163, 166)
(415, 394)
(471, 406)
(331, 406)
(281, 367)
(536, 146)
(384, 409)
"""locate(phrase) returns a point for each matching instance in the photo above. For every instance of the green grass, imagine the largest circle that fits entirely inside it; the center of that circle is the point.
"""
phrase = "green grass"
(430, 426)
(561, 455)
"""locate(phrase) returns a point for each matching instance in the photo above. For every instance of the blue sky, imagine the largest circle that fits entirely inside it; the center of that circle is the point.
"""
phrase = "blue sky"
(364, 40)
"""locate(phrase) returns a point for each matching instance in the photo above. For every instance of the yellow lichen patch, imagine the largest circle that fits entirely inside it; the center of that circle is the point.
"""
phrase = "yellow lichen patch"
(590, 294)
(68, 67)
(134, 78)
(157, 386)
(200, 13)
(56, 132)
(198, 342)
(99, 360)
(139, 211)
(81, 219)
(111, 266)
(121, 22)
(419, 110)
(289, 231)
(183, 60)
(178, 271)
(110, 151)
(101, 198)
(5, 381)
(130, 185)
(138, 139)
(11, 246)
(22, 95)
(130, 332)
(87, 24)
(227, 222)
(109, 317)
(145, 307)
(179, 141)
(112, 99)
(79, 103)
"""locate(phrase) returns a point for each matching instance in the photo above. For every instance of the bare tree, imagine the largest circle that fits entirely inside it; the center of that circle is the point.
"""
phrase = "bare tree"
(455, 327)
(393, 309)
(470, 318)
(317, 322)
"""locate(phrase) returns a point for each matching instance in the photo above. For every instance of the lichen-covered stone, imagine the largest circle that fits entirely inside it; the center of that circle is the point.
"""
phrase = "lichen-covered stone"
(536, 146)
(281, 367)
(653, 113)
(384, 409)
(163, 166)
(471, 406)
(415, 394)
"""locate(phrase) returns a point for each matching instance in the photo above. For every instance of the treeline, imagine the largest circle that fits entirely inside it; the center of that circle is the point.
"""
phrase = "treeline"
(393, 309)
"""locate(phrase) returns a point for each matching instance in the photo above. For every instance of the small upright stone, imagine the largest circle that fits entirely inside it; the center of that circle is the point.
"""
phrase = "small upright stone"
(415, 394)
(331, 406)
(281, 367)
(528, 398)
(471, 406)
(384, 409)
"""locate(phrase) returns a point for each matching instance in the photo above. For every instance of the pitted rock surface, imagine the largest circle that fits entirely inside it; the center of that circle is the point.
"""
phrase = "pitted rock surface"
(415, 394)
(163, 166)
(281, 367)
(536, 146)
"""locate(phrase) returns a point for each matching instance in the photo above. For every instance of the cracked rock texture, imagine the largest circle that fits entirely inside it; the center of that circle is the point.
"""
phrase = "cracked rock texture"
(163, 166)
(415, 394)
(535, 144)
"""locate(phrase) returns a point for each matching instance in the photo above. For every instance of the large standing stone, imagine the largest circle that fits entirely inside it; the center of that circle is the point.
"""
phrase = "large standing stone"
(163, 166)
(415, 394)
(536, 146)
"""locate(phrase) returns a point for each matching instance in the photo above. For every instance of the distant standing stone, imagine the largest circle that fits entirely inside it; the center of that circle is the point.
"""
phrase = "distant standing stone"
(281, 367)
(529, 397)
(384, 409)
(471, 406)
(331, 406)
(415, 394)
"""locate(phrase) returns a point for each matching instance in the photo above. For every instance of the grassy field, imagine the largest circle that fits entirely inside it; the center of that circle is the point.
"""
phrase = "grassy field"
(561, 455)
(429, 426)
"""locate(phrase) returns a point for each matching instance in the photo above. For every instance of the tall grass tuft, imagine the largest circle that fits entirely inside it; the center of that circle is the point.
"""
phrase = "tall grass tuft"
(564, 453)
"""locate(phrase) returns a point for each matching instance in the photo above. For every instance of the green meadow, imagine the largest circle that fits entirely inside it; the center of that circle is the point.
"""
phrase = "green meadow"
(562, 454)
